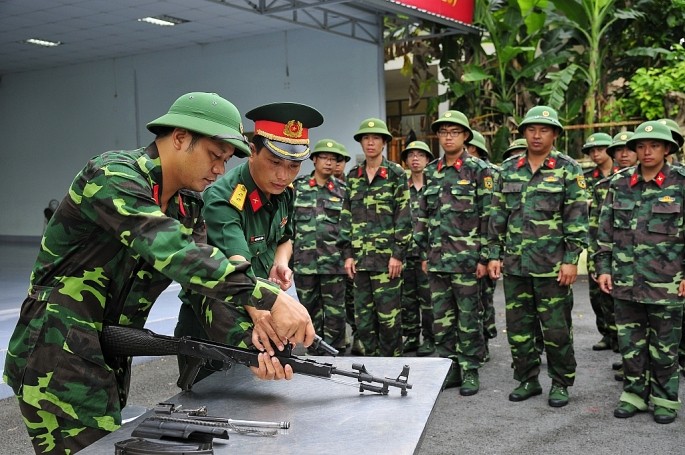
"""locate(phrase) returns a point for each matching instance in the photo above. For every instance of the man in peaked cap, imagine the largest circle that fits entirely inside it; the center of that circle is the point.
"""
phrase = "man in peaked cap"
(375, 234)
(596, 147)
(640, 263)
(452, 234)
(317, 261)
(538, 229)
(248, 214)
(417, 311)
(128, 227)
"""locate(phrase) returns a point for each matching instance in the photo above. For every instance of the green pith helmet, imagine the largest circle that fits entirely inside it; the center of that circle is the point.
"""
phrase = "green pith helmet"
(207, 114)
(619, 140)
(596, 140)
(518, 144)
(327, 146)
(343, 151)
(416, 145)
(454, 118)
(373, 126)
(478, 141)
(541, 115)
(675, 130)
(652, 130)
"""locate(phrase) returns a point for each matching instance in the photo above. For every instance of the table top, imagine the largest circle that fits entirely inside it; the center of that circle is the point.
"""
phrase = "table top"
(325, 416)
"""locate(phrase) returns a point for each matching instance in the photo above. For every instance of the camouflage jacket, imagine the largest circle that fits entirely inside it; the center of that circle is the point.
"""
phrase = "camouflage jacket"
(376, 218)
(316, 224)
(453, 214)
(598, 192)
(106, 255)
(539, 220)
(415, 194)
(594, 175)
(641, 236)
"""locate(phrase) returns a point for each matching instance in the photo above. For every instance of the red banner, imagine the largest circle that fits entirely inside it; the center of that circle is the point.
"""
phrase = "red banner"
(460, 10)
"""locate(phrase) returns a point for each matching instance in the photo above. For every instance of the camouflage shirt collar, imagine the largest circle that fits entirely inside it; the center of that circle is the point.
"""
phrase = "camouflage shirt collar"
(330, 183)
(457, 164)
(382, 171)
(658, 180)
(549, 163)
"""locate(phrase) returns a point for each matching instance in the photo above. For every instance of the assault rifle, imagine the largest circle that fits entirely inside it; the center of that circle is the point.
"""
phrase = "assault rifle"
(120, 341)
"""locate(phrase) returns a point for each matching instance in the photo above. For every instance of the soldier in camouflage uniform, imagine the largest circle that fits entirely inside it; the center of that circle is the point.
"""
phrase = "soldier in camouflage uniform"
(640, 263)
(129, 225)
(317, 262)
(452, 236)
(249, 218)
(417, 310)
(516, 147)
(538, 228)
(596, 148)
(375, 234)
(477, 147)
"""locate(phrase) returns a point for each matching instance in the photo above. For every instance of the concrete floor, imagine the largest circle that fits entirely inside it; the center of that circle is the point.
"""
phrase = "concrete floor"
(486, 423)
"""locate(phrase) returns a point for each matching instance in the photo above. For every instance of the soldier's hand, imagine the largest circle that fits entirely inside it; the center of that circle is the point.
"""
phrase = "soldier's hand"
(264, 331)
(394, 268)
(281, 275)
(270, 368)
(605, 284)
(350, 268)
(424, 267)
(481, 270)
(494, 269)
(291, 320)
(567, 274)
(681, 289)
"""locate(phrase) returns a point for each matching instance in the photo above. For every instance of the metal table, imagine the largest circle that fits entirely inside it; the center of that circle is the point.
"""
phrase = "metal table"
(325, 417)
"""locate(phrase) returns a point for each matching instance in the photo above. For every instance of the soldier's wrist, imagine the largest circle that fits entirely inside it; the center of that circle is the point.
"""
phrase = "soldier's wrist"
(264, 294)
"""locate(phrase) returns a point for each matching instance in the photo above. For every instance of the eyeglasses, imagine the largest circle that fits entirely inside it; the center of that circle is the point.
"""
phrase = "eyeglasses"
(335, 158)
(414, 153)
(449, 133)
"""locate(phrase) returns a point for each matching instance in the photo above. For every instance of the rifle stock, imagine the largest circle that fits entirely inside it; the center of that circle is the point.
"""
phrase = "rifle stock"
(120, 341)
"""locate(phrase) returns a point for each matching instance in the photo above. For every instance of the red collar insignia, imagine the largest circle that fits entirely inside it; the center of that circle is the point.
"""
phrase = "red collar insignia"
(360, 171)
(520, 162)
(255, 201)
(458, 164)
(660, 177)
(616, 169)
(440, 165)
(181, 208)
(634, 179)
(330, 185)
(312, 182)
(155, 193)
(383, 172)
(596, 173)
(551, 162)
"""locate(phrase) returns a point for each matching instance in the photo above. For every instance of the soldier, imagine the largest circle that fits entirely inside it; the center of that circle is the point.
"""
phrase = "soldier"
(249, 218)
(677, 135)
(129, 225)
(451, 234)
(640, 263)
(417, 311)
(517, 147)
(317, 262)
(339, 171)
(596, 148)
(376, 231)
(538, 228)
(476, 147)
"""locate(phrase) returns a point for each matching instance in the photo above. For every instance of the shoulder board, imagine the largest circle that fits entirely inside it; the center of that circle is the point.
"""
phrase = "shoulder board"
(679, 169)
(396, 168)
(238, 197)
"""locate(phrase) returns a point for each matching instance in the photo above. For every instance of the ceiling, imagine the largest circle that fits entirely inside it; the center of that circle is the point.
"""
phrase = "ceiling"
(102, 29)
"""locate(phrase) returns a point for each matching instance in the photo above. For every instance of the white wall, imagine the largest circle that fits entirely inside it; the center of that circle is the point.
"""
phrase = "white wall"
(52, 121)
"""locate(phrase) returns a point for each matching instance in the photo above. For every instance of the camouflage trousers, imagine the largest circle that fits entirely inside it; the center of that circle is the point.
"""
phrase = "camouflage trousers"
(540, 303)
(486, 289)
(417, 311)
(458, 323)
(324, 298)
(51, 434)
(603, 307)
(648, 337)
(349, 304)
(378, 313)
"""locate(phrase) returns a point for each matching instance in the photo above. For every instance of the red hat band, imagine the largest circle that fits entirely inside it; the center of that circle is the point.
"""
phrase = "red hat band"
(290, 133)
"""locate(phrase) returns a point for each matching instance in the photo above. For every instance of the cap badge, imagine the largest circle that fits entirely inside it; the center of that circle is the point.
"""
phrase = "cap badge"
(592, 139)
(448, 114)
(545, 113)
(371, 124)
(240, 128)
(648, 128)
(329, 144)
(623, 137)
(293, 129)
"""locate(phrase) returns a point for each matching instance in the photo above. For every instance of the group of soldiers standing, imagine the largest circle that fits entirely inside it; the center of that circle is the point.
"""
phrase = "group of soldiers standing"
(422, 260)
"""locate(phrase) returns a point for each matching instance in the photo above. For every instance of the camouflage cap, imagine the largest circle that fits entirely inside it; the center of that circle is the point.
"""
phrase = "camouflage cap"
(416, 145)
(327, 146)
(478, 141)
(541, 115)
(517, 144)
(619, 140)
(596, 140)
(373, 126)
(675, 130)
(652, 129)
(207, 114)
(453, 117)
(285, 127)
